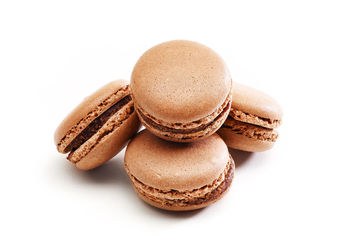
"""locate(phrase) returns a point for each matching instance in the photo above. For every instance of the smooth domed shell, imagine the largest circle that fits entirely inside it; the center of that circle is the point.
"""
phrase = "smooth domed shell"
(180, 81)
(255, 102)
(178, 166)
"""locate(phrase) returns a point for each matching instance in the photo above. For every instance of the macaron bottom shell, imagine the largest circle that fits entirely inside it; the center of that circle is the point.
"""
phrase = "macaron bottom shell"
(247, 137)
(243, 142)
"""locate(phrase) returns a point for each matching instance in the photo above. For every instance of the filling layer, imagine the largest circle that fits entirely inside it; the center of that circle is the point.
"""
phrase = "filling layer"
(163, 128)
(96, 124)
(198, 196)
(109, 127)
(251, 131)
(253, 119)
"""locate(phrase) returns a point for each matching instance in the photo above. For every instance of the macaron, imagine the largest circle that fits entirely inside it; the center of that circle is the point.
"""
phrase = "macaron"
(98, 128)
(253, 119)
(179, 176)
(181, 90)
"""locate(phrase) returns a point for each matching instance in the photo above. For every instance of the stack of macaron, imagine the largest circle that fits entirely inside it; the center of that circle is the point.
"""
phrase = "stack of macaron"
(182, 92)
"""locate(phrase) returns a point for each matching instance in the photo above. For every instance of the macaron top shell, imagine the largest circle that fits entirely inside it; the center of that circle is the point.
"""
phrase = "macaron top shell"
(91, 106)
(255, 102)
(175, 166)
(180, 81)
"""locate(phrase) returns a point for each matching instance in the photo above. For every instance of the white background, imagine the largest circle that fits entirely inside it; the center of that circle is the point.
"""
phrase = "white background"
(295, 196)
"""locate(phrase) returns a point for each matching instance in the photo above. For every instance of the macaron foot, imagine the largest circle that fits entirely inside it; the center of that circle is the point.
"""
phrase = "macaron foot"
(189, 132)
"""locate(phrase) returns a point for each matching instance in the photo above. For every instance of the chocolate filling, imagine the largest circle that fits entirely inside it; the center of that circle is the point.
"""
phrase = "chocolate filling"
(162, 128)
(96, 124)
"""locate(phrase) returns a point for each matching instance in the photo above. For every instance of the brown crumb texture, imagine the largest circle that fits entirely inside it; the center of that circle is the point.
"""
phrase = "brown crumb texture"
(198, 196)
(185, 135)
(251, 131)
(181, 131)
(92, 115)
(253, 119)
(112, 124)
(187, 126)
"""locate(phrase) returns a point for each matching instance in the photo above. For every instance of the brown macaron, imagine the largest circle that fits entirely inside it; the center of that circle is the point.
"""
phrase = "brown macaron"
(181, 90)
(253, 119)
(99, 127)
(179, 176)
